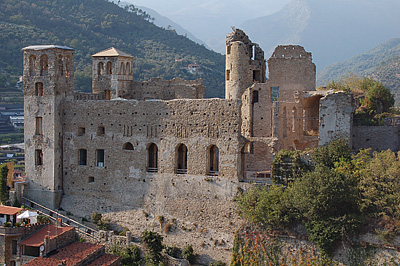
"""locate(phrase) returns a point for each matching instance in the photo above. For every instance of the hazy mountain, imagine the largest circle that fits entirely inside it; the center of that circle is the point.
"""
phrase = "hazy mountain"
(164, 22)
(381, 63)
(91, 26)
(333, 30)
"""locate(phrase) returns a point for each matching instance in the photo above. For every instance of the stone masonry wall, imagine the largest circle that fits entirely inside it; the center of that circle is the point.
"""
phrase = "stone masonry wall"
(376, 137)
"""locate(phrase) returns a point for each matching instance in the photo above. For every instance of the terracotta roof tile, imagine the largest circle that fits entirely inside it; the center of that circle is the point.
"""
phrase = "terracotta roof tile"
(9, 210)
(37, 239)
(73, 254)
(105, 260)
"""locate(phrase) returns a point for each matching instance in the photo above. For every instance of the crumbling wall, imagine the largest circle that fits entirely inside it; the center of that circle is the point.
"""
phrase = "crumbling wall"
(157, 88)
(336, 117)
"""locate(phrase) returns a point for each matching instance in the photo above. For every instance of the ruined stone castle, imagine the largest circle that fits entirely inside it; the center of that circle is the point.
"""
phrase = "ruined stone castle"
(158, 145)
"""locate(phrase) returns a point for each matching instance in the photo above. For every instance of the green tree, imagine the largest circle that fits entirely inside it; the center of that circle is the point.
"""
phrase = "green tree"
(153, 242)
(3, 183)
(130, 256)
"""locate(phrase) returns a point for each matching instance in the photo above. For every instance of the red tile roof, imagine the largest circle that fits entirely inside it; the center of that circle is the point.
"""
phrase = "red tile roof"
(37, 239)
(73, 254)
(105, 260)
(9, 210)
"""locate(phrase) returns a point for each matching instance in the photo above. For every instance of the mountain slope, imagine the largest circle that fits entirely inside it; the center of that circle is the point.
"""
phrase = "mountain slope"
(93, 25)
(381, 63)
(333, 30)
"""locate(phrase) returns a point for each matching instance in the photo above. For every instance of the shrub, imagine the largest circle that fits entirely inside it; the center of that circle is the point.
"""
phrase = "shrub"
(96, 217)
(42, 219)
(217, 263)
(173, 251)
(7, 224)
(188, 254)
(153, 242)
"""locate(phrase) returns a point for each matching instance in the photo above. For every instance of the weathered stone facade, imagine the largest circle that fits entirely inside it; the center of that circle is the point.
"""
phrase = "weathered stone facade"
(138, 150)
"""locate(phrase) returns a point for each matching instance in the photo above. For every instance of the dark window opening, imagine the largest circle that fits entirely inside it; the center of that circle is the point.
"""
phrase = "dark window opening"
(100, 69)
(38, 157)
(128, 146)
(109, 68)
(32, 65)
(44, 64)
(228, 49)
(101, 131)
(60, 66)
(182, 159)
(255, 97)
(82, 157)
(214, 160)
(257, 75)
(81, 131)
(100, 158)
(91, 179)
(39, 89)
(152, 153)
(228, 74)
(14, 247)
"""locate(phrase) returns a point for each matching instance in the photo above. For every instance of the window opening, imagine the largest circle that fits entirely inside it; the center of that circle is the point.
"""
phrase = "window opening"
(128, 146)
(101, 131)
(109, 68)
(274, 94)
(82, 157)
(100, 69)
(228, 74)
(214, 160)
(38, 157)
(39, 89)
(91, 179)
(81, 131)
(60, 66)
(38, 126)
(32, 65)
(152, 153)
(255, 97)
(44, 64)
(100, 158)
(182, 159)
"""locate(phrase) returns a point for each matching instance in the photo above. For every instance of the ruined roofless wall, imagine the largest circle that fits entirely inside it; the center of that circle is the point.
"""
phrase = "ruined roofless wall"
(196, 123)
(376, 137)
(157, 88)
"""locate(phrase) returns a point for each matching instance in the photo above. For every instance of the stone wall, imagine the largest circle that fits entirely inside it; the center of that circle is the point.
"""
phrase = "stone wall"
(376, 137)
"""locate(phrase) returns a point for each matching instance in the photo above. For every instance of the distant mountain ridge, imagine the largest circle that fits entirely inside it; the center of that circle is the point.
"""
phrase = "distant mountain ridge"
(333, 30)
(91, 26)
(381, 63)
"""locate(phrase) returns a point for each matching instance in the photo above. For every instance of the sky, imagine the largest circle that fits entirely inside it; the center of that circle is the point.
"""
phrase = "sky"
(211, 20)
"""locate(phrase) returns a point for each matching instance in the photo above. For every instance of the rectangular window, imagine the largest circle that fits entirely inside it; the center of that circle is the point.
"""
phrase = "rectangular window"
(100, 158)
(81, 131)
(100, 131)
(38, 126)
(14, 247)
(228, 74)
(274, 94)
(38, 157)
(82, 157)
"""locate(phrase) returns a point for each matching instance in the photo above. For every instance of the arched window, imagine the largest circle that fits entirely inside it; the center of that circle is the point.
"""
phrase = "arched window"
(109, 68)
(122, 69)
(44, 64)
(284, 126)
(152, 158)
(128, 146)
(100, 69)
(128, 68)
(38, 89)
(181, 162)
(213, 157)
(60, 66)
(67, 73)
(32, 65)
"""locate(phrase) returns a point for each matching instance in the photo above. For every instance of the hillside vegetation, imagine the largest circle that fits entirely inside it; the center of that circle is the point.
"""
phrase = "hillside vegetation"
(381, 63)
(91, 26)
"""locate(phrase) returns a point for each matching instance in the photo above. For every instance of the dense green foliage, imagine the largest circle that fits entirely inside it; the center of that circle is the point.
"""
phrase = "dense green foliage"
(287, 166)
(153, 242)
(377, 102)
(3, 183)
(333, 200)
(188, 254)
(94, 25)
(130, 256)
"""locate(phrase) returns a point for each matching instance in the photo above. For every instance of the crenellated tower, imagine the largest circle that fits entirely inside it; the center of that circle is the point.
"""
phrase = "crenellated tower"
(48, 81)
(112, 73)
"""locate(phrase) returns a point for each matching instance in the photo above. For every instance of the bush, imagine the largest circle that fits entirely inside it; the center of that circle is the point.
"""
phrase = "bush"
(96, 217)
(172, 251)
(7, 224)
(130, 256)
(153, 242)
(188, 254)
(42, 219)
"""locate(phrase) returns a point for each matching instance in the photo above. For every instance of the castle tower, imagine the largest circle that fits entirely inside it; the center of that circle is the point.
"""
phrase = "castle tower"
(112, 72)
(245, 64)
(48, 81)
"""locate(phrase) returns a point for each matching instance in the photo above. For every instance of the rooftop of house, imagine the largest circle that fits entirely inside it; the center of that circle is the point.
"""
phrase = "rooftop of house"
(7, 210)
(37, 239)
(73, 254)
(111, 52)
(105, 260)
